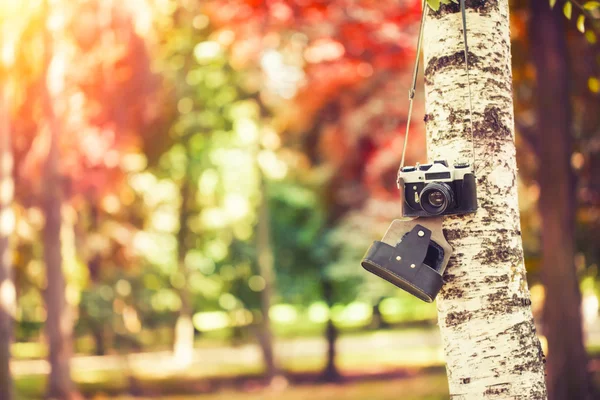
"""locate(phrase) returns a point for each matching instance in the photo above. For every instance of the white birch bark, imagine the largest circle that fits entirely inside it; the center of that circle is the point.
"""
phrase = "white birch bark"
(485, 318)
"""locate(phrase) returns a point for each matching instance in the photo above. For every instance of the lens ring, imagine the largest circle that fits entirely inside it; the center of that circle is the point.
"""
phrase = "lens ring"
(442, 197)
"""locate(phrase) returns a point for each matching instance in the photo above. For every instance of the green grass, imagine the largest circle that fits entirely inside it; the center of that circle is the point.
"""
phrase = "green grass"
(419, 387)
(428, 387)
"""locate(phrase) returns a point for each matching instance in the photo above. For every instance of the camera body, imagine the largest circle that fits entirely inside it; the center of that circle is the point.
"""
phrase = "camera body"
(437, 189)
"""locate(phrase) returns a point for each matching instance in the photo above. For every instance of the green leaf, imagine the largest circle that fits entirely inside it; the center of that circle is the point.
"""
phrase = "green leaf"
(434, 4)
(568, 9)
(590, 36)
(591, 5)
(552, 3)
(594, 85)
(581, 23)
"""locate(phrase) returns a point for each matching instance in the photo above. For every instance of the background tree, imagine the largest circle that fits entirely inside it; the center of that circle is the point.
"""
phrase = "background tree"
(59, 323)
(72, 137)
(484, 308)
(7, 285)
(562, 322)
(335, 118)
(266, 268)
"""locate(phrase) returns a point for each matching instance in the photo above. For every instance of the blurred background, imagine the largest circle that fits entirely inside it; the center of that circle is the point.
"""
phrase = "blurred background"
(187, 189)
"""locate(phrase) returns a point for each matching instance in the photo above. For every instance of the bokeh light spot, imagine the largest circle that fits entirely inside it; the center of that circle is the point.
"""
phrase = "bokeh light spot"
(257, 283)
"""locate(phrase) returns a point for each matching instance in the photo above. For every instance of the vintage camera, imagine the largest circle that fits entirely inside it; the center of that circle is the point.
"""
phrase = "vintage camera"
(437, 189)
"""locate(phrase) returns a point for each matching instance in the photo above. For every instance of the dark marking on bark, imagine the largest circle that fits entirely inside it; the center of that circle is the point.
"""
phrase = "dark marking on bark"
(457, 318)
(533, 357)
(492, 123)
(457, 59)
(509, 232)
(483, 7)
(465, 381)
(494, 70)
(500, 98)
(494, 252)
(503, 86)
(523, 302)
(502, 303)
(449, 278)
(454, 234)
(492, 116)
(452, 292)
(452, 117)
(490, 391)
(428, 117)
(538, 392)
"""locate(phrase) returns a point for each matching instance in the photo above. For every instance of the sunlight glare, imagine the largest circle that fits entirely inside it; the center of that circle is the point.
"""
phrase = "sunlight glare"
(214, 218)
(257, 283)
(165, 220)
(228, 301)
(241, 317)
(123, 287)
(134, 162)
(324, 50)
(246, 129)
(111, 204)
(8, 297)
(207, 51)
(208, 182)
(7, 221)
(272, 166)
(236, 206)
(283, 313)
(8, 53)
(318, 312)
(217, 250)
(210, 321)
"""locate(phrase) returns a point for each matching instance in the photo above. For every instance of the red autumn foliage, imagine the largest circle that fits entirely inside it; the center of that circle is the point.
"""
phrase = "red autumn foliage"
(102, 108)
(357, 54)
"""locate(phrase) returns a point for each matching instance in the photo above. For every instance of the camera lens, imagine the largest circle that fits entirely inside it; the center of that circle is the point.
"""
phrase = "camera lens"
(436, 197)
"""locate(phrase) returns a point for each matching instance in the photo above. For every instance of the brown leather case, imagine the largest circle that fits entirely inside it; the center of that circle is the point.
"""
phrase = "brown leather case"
(400, 256)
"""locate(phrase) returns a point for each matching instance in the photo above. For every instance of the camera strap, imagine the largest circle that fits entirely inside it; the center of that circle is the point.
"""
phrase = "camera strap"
(412, 90)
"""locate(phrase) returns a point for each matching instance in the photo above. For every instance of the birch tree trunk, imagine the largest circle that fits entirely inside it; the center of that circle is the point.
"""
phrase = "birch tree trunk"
(485, 318)
(7, 286)
(568, 377)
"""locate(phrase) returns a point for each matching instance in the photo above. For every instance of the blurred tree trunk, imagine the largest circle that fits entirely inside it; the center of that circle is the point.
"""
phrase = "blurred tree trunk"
(266, 270)
(59, 324)
(7, 286)
(330, 373)
(568, 377)
(94, 265)
(484, 313)
(183, 345)
(59, 321)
